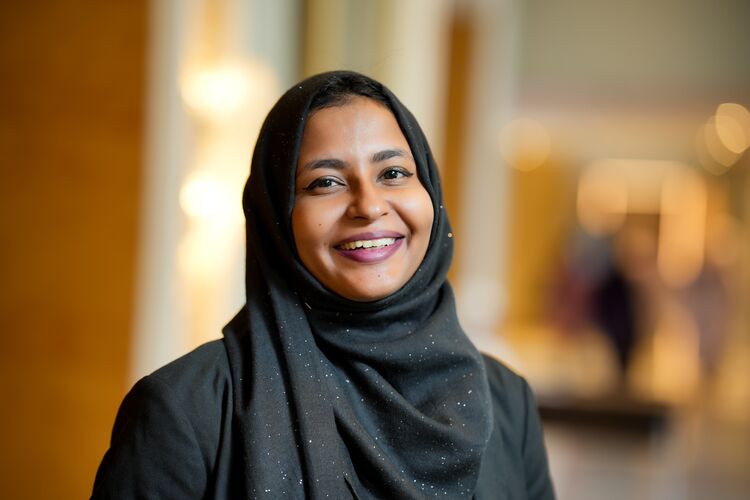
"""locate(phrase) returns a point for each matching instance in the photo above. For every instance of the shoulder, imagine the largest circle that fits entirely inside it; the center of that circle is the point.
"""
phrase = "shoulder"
(180, 410)
(205, 368)
(196, 387)
(512, 399)
(193, 385)
(513, 403)
(505, 384)
(517, 442)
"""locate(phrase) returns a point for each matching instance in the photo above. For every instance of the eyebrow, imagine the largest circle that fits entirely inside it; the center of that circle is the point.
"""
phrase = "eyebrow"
(387, 154)
(333, 163)
(337, 164)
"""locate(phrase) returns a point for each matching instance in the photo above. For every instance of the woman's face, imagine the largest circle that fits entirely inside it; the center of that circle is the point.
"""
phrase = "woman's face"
(361, 218)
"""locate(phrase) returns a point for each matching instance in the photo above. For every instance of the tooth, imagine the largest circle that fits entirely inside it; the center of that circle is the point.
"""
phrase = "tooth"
(380, 242)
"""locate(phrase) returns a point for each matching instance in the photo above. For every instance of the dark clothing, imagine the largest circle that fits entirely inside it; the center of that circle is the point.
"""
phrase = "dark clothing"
(385, 398)
(313, 395)
(174, 437)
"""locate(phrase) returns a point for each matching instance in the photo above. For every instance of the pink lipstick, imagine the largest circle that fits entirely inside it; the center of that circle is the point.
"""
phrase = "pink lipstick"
(371, 247)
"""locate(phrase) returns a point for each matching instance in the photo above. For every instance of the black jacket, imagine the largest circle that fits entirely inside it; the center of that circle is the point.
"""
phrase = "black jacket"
(174, 436)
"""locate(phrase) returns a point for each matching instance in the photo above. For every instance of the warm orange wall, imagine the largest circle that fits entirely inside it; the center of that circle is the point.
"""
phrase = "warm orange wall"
(71, 92)
(542, 203)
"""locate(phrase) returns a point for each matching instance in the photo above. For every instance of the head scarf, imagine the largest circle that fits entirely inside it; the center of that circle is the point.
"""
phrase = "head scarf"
(342, 399)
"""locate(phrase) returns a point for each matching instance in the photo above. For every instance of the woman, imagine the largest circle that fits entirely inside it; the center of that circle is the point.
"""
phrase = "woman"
(346, 374)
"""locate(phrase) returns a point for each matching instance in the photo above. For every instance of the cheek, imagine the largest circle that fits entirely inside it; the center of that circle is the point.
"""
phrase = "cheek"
(311, 222)
(421, 214)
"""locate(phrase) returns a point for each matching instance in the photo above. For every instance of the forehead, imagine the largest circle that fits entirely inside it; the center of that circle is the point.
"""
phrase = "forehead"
(360, 124)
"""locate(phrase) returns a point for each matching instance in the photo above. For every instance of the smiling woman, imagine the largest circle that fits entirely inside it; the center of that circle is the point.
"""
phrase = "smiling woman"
(346, 374)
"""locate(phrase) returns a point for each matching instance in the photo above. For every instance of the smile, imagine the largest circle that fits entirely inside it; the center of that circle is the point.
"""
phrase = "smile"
(381, 242)
(370, 248)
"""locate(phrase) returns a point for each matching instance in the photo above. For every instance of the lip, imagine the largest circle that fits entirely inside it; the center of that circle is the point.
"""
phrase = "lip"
(371, 255)
(373, 235)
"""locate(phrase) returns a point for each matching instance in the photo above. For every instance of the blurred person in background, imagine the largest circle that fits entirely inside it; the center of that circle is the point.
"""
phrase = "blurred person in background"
(346, 374)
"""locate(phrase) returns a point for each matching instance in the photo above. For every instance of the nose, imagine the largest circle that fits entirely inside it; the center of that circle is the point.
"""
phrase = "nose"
(367, 203)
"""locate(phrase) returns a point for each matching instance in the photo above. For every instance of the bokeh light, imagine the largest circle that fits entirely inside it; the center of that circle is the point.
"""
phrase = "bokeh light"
(525, 144)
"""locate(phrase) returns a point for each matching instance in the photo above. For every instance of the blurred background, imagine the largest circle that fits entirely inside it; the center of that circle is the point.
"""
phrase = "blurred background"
(595, 164)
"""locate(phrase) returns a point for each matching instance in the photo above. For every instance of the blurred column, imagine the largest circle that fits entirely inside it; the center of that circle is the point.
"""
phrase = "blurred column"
(412, 58)
(216, 67)
(484, 211)
(329, 41)
(402, 43)
(158, 320)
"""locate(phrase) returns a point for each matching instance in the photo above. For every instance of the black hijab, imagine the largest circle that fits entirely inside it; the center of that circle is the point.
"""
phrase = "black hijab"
(341, 399)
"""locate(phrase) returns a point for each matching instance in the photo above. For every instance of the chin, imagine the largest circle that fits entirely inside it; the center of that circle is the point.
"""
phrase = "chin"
(360, 294)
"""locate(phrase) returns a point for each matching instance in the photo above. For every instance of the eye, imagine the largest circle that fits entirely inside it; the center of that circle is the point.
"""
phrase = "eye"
(323, 183)
(395, 173)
